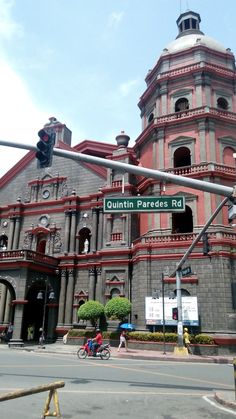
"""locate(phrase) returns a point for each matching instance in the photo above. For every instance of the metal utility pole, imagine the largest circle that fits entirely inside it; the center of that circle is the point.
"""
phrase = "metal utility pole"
(129, 168)
(163, 313)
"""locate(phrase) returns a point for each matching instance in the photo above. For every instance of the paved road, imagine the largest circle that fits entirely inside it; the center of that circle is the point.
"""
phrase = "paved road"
(118, 388)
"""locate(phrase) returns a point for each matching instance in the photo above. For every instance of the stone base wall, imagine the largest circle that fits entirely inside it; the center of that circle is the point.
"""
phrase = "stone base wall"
(210, 350)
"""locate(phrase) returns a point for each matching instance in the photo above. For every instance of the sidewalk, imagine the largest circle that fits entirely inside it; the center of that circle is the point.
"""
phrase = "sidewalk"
(59, 347)
(225, 398)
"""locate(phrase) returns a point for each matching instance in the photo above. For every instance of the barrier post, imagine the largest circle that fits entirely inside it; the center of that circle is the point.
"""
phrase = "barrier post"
(47, 387)
(234, 364)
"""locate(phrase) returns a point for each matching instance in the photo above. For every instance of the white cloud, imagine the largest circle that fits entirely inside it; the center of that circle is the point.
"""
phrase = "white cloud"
(115, 18)
(20, 117)
(8, 27)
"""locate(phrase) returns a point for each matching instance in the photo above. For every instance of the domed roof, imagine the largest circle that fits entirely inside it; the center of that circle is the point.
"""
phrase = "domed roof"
(191, 40)
(190, 35)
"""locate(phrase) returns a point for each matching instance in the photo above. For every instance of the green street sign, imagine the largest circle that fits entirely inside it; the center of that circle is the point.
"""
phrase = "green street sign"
(144, 204)
(186, 271)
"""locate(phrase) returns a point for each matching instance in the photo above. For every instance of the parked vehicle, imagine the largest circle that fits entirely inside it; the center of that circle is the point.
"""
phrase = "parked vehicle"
(102, 352)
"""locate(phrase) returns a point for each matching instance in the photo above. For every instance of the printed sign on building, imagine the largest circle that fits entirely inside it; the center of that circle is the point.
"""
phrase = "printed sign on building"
(154, 311)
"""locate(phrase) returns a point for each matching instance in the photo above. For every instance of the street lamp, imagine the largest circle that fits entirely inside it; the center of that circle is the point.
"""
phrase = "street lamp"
(49, 294)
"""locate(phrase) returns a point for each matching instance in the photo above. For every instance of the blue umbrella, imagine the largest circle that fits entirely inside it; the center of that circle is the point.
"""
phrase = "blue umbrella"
(129, 326)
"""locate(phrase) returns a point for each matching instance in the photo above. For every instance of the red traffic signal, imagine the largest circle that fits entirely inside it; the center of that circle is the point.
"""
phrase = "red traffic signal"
(175, 313)
(45, 148)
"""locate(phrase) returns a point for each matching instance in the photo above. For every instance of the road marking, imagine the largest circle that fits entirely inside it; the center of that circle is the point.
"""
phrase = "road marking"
(225, 409)
(92, 362)
(138, 393)
(197, 380)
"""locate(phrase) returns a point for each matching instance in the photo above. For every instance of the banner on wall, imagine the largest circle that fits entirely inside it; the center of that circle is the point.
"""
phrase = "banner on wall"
(154, 311)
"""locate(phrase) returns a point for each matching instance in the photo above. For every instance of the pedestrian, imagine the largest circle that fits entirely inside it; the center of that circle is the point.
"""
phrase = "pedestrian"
(3, 335)
(187, 340)
(123, 341)
(42, 336)
(64, 339)
(9, 332)
(30, 332)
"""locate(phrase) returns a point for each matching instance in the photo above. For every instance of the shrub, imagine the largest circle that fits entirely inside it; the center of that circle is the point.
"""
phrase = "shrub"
(144, 336)
(73, 333)
(80, 333)
(153, 337)
(91, 310)
(118, 307)
(203, 339)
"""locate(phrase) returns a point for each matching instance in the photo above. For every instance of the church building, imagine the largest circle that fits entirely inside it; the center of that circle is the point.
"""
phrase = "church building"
(59, 248)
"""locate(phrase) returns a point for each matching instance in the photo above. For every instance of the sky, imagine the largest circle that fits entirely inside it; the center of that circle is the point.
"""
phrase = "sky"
(85, 63)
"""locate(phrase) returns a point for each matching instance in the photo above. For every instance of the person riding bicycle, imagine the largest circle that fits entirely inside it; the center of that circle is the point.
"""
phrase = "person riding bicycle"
(97, 341)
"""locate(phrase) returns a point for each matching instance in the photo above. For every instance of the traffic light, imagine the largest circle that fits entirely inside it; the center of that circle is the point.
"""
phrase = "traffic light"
(206, 245)
(45, 148)
(175, 313)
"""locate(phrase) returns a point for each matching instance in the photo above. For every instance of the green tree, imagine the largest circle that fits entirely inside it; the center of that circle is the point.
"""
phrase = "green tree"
(118, 307)
(92, 311)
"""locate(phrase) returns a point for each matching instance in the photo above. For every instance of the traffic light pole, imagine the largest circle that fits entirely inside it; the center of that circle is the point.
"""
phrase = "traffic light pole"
(179, 307)
(137, 170)
(163, 313)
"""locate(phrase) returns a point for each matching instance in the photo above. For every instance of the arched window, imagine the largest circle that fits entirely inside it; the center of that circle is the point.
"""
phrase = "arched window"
(181, 104)
(182, 222)
(115, 292)
(228, 158)
(151, 117)
(182, 157)
(222, 103)
(81, 302)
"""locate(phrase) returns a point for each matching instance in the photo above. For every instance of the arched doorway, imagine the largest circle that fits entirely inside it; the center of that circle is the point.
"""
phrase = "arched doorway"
(41, 244)
(182, 222)
(37, 312)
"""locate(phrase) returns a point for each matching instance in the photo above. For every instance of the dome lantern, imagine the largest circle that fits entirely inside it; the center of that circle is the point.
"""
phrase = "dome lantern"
(189, 23)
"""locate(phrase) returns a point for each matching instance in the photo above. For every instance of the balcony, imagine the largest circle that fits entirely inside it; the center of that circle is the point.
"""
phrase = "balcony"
(203, 168)
(158, 238)
(27, 255)
(186, 115)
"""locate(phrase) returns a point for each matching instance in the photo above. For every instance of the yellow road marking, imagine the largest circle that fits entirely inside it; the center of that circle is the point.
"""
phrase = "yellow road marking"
(119, 367)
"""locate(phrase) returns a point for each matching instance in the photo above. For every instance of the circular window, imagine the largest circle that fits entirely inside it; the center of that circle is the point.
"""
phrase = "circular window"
(46, 194)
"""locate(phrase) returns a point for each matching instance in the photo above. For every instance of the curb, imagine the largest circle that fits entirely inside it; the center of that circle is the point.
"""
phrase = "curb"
(226, 399)
(177, 359)
(138, 355)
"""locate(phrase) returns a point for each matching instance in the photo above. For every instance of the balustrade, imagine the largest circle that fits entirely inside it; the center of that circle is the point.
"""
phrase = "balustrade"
(186, 237)
(28, 255)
